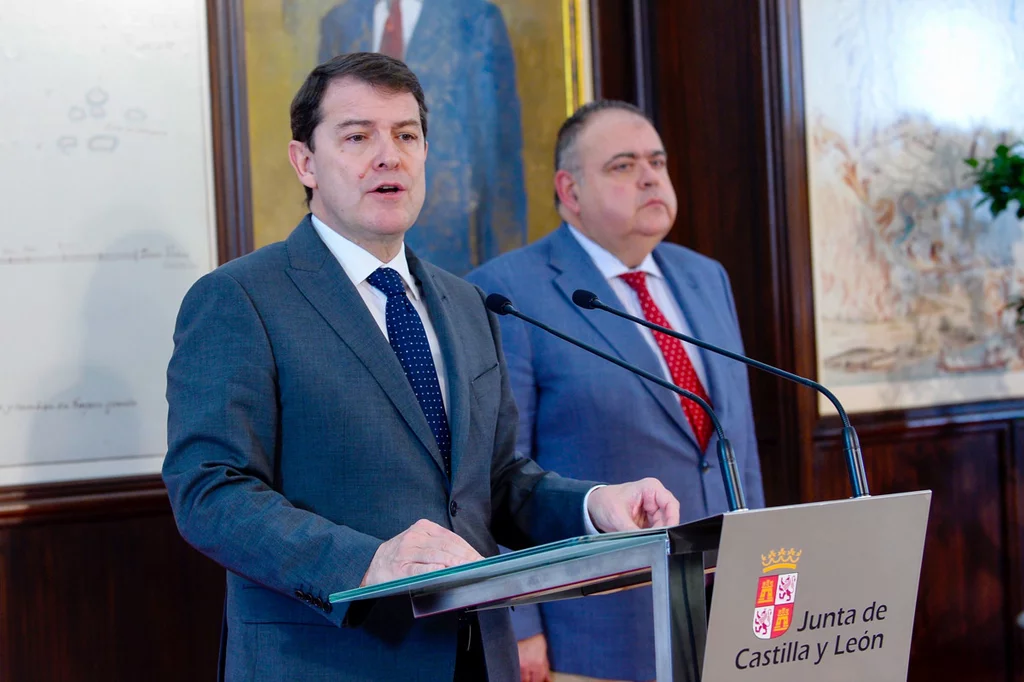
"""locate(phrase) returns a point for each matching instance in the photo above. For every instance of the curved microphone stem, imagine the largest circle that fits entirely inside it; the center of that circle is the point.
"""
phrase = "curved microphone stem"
(851, 443)
(500, 305)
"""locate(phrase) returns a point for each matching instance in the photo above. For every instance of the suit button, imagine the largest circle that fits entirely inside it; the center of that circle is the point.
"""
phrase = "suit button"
(328, 607)
(453, 508)
(299, 594)
(705, 466)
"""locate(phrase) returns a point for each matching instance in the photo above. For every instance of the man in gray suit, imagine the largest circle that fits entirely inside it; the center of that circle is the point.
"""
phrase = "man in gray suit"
(340, 415)
(582, 416)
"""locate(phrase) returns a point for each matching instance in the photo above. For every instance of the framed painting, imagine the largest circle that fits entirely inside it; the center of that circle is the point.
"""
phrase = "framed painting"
(911, 277)
(499, 76)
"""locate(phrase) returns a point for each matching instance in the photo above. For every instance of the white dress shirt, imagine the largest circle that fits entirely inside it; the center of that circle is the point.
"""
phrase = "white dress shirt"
(410, 15)
(611, 267)
(358, 264)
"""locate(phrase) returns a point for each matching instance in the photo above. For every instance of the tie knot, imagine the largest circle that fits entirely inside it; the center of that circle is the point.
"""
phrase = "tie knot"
(637, 280)
(388, 281)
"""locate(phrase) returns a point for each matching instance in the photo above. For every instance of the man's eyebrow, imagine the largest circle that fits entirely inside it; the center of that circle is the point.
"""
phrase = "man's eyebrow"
(353, 122)
(633, 156)
(365, 123)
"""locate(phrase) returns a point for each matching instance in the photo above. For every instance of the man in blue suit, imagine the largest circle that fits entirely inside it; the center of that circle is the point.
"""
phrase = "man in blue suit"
(460, 51)
(584, 417)
(340, 415)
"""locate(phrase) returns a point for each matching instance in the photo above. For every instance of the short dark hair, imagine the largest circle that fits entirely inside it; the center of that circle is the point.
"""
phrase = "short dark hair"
(569, 132)
(380, 71)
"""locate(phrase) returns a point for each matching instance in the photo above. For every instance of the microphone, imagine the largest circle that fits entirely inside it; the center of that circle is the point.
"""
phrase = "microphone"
(851, 443)
(501, 305)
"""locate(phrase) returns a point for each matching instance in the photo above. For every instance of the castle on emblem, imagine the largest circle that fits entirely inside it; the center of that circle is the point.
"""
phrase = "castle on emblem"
(776, 594)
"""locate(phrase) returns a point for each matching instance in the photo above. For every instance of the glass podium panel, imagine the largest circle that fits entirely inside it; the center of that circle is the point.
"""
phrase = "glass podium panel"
(506, 564)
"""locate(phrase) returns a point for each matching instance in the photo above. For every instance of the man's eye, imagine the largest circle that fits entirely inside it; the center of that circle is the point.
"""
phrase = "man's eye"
(407, 137)
(356, 138)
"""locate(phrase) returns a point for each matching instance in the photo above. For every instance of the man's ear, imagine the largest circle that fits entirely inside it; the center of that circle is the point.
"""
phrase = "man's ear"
(566, 188)
(303, 163)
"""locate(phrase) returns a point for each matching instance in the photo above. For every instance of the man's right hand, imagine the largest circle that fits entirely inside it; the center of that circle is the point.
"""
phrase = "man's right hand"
(422, 547)
(533, 659)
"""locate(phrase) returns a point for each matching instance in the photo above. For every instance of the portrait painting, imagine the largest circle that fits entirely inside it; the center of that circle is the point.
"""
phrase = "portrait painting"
(499, 77)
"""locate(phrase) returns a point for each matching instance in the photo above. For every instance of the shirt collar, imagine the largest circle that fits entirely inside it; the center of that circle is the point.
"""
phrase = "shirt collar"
(610, 266)
(358, 263)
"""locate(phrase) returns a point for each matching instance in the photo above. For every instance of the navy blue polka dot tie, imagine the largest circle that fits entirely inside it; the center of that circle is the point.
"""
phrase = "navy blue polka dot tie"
(409, 340)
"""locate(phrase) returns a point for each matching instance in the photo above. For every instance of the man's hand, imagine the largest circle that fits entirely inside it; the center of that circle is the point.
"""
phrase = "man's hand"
(422, 547)
(631, 506)
(533, 659)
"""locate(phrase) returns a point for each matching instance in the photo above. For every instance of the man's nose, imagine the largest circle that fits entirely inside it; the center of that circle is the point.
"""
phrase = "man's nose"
(649, 176)
(387, 154)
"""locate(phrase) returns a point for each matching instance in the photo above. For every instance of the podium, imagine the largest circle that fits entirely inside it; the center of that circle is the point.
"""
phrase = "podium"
(820, 591)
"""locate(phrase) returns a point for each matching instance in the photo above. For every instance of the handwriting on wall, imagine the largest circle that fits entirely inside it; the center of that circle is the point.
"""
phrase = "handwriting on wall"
(106, 185)
(169, 256)
(74, 405)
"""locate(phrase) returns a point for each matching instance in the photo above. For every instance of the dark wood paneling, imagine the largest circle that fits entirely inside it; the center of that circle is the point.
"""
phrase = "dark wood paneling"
(115, 595)
(613, 42)
(1015, 550)
(963, 600)
(82, 500)
(230, 121)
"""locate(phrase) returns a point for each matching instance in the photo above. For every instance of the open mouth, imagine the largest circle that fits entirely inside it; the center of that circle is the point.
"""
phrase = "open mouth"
(388, 189)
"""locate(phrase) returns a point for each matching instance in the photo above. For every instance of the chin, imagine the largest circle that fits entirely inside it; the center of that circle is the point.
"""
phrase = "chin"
(394, 224)
(654, 228)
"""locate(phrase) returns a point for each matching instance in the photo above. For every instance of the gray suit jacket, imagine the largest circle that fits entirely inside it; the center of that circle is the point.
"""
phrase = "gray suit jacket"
(583, 416)
(296, 446)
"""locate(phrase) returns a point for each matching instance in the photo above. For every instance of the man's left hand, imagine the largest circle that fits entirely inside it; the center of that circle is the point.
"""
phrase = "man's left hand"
(631, 506)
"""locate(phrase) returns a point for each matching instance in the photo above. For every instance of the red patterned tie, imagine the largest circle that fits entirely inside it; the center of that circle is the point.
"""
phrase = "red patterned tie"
(391, 42)
(679, 366)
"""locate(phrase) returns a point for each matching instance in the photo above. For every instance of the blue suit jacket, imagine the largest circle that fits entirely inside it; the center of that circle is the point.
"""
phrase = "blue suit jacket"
(296, 446)
(582, 416)
(460, 51)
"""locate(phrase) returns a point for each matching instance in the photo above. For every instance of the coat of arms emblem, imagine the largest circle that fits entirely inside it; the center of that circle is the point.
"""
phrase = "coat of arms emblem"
(776, 594)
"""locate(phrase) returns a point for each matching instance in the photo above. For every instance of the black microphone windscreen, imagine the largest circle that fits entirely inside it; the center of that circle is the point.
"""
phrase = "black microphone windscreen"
(498, 304)
(584, 298)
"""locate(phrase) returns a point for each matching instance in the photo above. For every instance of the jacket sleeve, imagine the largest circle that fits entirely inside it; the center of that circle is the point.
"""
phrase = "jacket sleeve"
(223, 426)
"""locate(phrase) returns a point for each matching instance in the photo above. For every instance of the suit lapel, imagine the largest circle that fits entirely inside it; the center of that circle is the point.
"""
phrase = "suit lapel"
(322, 281)
(442, 316)
(706, 323)
(577, 271)
(433, 29)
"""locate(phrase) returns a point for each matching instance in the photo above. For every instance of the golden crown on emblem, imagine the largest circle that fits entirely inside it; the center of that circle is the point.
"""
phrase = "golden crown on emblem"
(783, 558)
